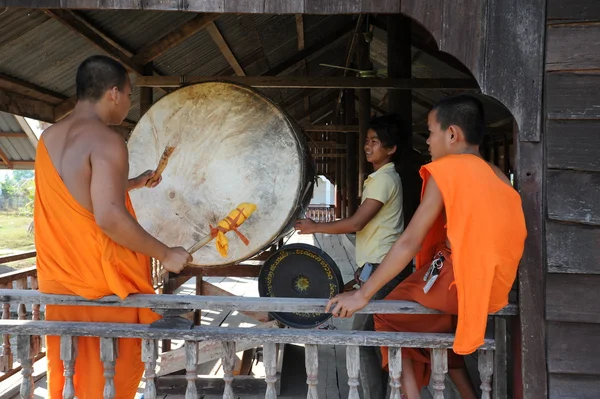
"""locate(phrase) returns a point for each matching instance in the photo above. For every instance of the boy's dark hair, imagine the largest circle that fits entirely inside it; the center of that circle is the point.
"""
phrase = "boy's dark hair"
(96, 75)
(389, 131)
(464, 111)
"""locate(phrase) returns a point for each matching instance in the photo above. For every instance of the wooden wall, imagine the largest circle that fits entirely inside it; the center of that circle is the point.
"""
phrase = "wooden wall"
(572, 133)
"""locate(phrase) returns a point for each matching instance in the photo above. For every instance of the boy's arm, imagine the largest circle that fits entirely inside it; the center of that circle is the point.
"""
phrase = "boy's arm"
(354, 223)
(403, 250)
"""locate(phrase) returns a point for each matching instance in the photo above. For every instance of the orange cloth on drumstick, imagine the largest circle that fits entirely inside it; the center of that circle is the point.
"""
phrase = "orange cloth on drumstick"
(229, 223)
(485, 225)
(74, 257)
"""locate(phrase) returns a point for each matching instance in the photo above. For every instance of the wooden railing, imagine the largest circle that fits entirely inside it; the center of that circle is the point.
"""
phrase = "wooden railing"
(267, 337)
(19, 280)
(325, 213)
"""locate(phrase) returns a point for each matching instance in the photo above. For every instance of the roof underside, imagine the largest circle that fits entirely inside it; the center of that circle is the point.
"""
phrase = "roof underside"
(41, 50)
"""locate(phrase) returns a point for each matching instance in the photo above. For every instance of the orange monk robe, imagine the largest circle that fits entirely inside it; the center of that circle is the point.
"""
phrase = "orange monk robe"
(74, 257)
(486, 228)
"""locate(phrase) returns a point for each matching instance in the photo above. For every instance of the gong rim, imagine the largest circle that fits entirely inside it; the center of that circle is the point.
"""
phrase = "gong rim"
(292, 319)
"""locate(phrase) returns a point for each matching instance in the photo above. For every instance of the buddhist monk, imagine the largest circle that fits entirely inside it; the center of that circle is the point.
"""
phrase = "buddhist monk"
(470, 226)
(87, 238)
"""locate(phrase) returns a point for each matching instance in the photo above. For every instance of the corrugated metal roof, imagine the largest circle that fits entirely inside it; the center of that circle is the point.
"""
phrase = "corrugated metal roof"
(17, 147)
(134, 29)
(15, 22)
(48, 56)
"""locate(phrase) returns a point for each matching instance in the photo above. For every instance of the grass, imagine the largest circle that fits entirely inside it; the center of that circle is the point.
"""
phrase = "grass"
(14, 238)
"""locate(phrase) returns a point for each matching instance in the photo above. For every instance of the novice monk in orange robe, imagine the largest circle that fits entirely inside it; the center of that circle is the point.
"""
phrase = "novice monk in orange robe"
(471, 214)
(87, 238)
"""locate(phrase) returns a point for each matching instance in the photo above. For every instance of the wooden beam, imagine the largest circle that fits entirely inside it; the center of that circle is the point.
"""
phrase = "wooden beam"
(327, 144)
(14, 135)
(27, 89)
(20, 105)
(300, 31)
(299, 82)
(27, 130)
(154, 50)
(331, 128)
(352, 151)
(311, 50)
(214, 32)
(5, 159)
(84, 29)
(364, 111)
(329, 155)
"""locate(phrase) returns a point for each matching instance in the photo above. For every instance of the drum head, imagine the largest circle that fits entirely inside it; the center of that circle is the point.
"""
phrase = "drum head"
(300, 271)
(233, 145)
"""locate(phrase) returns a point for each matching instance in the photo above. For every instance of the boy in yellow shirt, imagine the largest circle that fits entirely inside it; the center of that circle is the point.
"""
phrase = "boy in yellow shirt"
(378, 223)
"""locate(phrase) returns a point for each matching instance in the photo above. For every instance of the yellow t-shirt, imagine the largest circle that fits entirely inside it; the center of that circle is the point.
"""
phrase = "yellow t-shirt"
(375, 240)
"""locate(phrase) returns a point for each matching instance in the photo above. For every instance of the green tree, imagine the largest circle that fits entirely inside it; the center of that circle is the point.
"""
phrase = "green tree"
(20, 175)
(9, 187)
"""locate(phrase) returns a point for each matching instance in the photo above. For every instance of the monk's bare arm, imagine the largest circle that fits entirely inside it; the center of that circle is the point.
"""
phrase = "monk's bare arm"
(354, 223)
(403, 250)
(109, 162)
(409, 243)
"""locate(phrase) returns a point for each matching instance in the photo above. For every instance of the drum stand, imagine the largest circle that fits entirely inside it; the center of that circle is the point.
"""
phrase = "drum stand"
(174, 362)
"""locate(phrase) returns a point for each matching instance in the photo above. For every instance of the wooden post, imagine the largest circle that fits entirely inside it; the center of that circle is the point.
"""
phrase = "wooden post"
(191, 359)
(400, 102)
(228, 364)
(149, 356)
(353, 366)
(270, 362)
(351, 154)
(395, 366)
(6, 358)
(68, 354)
(108, 356)
(312, 370)
(25, 356)
(146, 92)
(364, 112)
(486, 369)
(439, 368)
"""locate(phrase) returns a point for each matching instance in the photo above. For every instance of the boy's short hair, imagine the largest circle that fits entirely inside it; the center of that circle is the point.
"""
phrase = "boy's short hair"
(464, 111)
(96, 75)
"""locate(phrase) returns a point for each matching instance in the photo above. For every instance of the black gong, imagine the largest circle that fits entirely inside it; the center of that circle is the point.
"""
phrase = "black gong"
(300, 271)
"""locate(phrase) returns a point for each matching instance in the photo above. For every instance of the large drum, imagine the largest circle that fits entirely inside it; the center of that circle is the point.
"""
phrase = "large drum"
(233, 145)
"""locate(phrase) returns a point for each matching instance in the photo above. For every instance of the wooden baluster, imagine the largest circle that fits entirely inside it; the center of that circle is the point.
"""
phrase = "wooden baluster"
(312, 370)
(228, 364)
(68, 354)
(439, 368)
(270, 362)
(353, 366)
(35, 315)
(191, 360)
(108, 356)
(395, 365)
(25, 356)
(21, 284)
(486, 369)
(6, 359)
(149, 356)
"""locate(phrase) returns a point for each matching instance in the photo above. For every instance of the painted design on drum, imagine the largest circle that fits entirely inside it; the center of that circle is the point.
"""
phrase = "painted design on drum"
(233, 146)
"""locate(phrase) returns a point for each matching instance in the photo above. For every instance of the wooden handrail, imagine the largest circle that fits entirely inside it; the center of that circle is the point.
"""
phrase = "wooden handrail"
(189, 302)
(17, 275)
(16, 257)
(258, 335)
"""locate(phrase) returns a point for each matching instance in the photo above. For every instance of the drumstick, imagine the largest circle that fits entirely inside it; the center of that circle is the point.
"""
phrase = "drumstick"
(162, 164)
(250, 208)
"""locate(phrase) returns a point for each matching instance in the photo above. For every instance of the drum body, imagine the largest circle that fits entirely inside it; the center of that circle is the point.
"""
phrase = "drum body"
(233, 145)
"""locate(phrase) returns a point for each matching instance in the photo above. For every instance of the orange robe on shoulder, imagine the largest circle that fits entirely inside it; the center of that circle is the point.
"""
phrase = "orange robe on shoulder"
(485, 225)
(74, 257)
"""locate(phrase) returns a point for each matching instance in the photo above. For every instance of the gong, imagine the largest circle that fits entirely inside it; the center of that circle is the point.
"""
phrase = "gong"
(300, 271)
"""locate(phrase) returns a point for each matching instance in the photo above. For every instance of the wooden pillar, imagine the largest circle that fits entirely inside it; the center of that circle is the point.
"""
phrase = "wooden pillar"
(364, 112)
(146, 92)
(351, 154)
(338, 172)
(400, 102)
